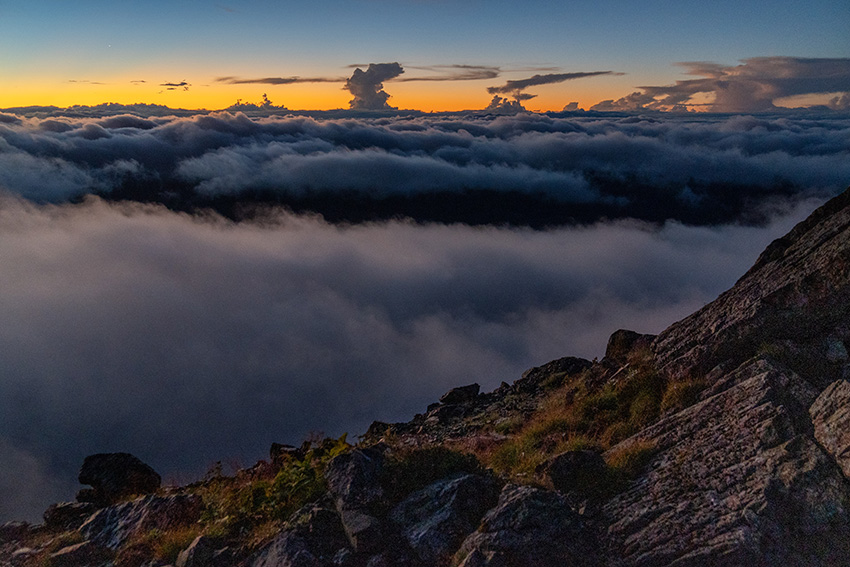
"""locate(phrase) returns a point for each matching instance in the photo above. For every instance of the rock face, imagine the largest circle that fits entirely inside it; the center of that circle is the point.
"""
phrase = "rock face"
(113, 526)
(529, 527)
(831, 419)
(435, 520)
(794, 301)
(736, 480)
(116, 476)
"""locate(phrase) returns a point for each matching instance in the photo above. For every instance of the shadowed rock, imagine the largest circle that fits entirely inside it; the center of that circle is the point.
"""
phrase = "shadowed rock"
(116, 476)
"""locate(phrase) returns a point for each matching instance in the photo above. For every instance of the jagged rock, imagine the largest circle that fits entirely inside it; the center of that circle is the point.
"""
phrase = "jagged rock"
(735, 480)
(354, 479)
(436, 519)
(14, 531)
(116, 476)
(204, 551)
(831, 419)
(80, 555)
(529, 527)
(623, 343)
(798, 291)
(576, 471)
(461, 395)
(67, 515)
(533, 378)
(315, 538)
(112, 526)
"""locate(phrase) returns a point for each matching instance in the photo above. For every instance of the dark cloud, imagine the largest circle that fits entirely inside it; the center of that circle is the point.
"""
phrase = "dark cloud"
(548, 79)
(277, 80)
(367, 86)
(174, 86)
(753, 86)
(190, 340)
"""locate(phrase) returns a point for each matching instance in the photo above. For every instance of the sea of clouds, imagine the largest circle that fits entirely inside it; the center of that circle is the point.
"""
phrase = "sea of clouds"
(189, 338)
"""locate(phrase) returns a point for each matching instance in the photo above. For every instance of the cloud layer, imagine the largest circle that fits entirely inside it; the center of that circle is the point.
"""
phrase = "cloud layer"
(466, 168)
(188, 340)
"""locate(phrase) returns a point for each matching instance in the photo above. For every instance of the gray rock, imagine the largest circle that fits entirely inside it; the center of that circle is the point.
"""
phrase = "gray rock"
(116, 476)
(203, 552)
(831, 419)
(80, 555)
(65, 516)
(533, 378)
(365, 532)
(436, 519)
(354, 479)
(735, 480)
(113, 526)
(461, 395)
(529, 527)
(288, 549)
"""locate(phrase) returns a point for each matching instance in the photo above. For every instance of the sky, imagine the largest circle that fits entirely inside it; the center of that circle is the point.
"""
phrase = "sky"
(191, 286)
(193, 54)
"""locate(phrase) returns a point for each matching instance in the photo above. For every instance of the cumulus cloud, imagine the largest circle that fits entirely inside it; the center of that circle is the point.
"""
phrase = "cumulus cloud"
(753, 86)
(190, 340)
(368, 86)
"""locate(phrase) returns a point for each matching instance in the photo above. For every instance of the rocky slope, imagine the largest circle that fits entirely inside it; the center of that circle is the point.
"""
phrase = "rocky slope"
(722, 441)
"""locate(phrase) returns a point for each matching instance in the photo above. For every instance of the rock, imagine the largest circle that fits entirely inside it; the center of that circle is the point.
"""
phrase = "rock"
(113, 526)
(533, 378)
(798, 291)
(623, 343)
(315, 538)
(354, 479)
(14, 531)
(831, 419)
(461, 395)
(288, 549)
(204, 551)
(576, 471)
(436, 519)
(532, 528)
(365, 532)
(80, 555)
(117, 476)
(66, 516)
(734, 480)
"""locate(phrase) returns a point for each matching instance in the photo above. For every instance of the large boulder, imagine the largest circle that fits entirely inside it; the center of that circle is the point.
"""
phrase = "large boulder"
(435, 520)
(65, 516)
(461, 394)
(623, 343)
(354, 481)
(80, 555)
(314, 538)
(530, 527)
(117, 476)
(734, 480)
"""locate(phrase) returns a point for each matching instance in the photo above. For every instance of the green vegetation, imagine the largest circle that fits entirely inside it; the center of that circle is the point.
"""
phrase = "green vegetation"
(577, 415)
(249, 504)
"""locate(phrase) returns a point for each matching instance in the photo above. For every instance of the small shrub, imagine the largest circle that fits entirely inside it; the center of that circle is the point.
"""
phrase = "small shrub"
(631, 459)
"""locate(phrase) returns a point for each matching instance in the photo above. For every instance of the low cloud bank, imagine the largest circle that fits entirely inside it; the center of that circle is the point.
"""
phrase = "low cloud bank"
(189, 340)
(697, 169)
